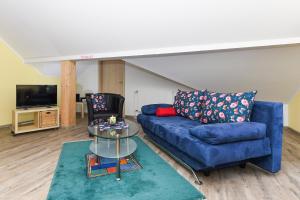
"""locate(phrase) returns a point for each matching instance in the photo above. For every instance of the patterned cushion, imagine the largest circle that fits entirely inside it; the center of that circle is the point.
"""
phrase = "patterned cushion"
(179, 101)
(99, 102)
(225, 108)
(188, 104)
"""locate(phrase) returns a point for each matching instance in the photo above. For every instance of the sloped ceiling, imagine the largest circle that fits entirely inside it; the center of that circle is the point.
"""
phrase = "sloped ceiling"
(80, 29)
(274, 72)
(195, 40)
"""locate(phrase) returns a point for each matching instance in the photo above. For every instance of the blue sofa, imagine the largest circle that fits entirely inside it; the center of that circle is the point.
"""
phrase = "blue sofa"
(203, 147)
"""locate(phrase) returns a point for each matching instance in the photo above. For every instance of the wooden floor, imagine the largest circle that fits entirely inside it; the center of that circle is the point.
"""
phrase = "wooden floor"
(27, 163)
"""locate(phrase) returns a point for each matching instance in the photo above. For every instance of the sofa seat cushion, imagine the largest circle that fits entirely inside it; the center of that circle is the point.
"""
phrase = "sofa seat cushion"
(175, 131)
(229, 132)
(214, 155)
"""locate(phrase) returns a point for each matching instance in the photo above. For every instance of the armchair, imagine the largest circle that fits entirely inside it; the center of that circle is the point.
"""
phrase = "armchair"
(103, 105)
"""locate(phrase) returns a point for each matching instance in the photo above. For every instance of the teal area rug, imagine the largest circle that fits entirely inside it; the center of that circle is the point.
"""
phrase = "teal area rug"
(156, 180)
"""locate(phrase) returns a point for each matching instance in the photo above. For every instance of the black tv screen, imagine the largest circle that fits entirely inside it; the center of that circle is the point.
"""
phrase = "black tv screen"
(36, 95)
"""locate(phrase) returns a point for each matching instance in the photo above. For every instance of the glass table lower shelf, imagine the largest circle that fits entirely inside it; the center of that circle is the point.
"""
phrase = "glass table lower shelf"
(111, 156)
(108, 148)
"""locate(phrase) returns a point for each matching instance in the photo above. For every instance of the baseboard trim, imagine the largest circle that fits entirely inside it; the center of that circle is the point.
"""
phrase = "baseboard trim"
(131, 117)
(291, 129)
(5, 126)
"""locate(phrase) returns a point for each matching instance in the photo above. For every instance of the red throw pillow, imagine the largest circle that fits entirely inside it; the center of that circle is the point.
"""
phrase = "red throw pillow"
(165, 112)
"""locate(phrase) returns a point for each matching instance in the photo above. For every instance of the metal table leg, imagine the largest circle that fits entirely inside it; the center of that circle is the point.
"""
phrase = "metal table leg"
(118, 174)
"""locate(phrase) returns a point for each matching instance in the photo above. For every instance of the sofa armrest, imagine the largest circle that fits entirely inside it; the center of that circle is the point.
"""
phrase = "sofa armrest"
(151, 108)
(270, 113)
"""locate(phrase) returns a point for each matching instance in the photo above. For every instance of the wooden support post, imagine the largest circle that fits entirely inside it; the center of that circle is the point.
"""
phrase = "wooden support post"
(68, 93)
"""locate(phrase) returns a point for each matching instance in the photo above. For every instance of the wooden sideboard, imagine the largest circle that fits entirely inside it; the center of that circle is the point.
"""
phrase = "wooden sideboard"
(42, 118)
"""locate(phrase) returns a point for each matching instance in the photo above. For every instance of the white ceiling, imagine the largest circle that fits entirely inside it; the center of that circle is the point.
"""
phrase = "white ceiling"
(274, 72)
(78, 29)
(136, 30)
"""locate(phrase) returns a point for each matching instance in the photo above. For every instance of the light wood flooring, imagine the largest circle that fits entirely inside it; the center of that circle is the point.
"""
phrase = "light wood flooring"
(28, 161)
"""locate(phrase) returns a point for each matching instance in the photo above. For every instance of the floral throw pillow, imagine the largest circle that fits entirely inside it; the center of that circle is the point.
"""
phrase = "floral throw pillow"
(188, 104)
(227, 107)
(99, 102)
(179, 101)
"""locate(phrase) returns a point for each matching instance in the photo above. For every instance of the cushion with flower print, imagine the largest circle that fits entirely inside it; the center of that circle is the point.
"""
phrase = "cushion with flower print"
(99, 102)
(188, 103)
(227, 107)
(179, 101)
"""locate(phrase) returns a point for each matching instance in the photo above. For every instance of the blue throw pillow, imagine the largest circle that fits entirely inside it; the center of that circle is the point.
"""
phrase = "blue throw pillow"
(227, 107)
(188, 103)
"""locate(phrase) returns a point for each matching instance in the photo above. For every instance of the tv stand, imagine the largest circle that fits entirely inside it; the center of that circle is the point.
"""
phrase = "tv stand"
(43, 118)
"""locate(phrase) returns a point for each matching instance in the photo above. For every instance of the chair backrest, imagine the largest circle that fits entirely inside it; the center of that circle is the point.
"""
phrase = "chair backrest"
(101, 103)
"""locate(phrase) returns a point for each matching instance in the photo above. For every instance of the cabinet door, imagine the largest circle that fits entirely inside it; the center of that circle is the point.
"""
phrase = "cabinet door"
(48, 118)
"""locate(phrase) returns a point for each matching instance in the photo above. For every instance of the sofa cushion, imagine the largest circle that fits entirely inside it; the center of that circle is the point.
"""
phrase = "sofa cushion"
(179, 102)
(188, 103)
(151, 108)
(225, 108)
(165, 112)
(229, 132)
(214, 155)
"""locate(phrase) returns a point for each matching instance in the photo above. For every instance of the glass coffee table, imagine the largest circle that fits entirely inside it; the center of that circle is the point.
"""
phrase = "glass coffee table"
(114, 142)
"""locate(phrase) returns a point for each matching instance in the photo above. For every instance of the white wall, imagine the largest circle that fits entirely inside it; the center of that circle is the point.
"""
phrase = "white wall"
(143, 87)
(273, 72)
(87, 77)
(153, 88)
(49, 68)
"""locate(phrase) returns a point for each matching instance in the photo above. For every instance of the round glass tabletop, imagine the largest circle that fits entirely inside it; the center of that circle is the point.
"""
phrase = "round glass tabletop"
(112, 133)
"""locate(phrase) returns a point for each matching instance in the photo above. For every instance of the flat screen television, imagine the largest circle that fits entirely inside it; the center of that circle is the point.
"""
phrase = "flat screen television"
(36, 95)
